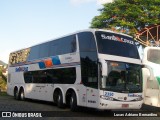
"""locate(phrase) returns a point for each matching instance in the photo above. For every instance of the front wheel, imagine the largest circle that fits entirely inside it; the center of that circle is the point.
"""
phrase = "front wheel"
(73, 102)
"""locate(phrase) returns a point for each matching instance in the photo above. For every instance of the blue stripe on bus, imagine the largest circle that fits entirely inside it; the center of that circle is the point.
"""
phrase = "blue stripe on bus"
(56, 60)
(41, 65)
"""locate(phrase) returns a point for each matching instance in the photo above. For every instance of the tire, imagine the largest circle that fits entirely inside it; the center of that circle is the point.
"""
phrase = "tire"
(73, 102)
(60, 100)
(16, 95)
(21, 95)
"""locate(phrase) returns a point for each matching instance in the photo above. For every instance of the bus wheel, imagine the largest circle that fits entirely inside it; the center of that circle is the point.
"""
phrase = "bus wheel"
(21, 95)
(73, 102)
(16, 96)
(60, 100)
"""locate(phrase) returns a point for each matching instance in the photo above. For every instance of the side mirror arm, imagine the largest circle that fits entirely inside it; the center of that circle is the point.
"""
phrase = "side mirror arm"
(104, 67)
(151, 77)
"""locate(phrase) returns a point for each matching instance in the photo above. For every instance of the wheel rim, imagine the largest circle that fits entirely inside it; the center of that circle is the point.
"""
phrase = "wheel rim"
(22, 95)
(16, 94)
(71, 102)
(59, 98)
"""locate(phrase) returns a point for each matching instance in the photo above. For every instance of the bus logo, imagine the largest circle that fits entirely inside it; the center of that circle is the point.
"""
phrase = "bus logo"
(116, 38)
(21, 69)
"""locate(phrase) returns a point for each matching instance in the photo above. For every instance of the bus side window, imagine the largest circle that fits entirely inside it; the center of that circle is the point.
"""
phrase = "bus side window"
(67, 45)
(62, 76)
(44, 50)
(28, 77)
(88, 54)
(73, 44)
(86, 42)
(34, 53)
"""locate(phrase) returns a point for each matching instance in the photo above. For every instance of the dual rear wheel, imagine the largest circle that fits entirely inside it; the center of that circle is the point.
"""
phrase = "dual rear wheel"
(72, 101)
(19, 95)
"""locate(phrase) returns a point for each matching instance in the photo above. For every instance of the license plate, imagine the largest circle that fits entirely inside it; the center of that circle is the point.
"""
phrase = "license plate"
(125, 105)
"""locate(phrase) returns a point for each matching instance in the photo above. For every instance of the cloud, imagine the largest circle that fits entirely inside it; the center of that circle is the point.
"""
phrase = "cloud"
(79, 2)
(104, 1)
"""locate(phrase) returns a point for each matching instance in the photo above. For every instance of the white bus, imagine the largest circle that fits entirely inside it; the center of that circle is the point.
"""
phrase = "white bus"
(151, 76)
(81, 69)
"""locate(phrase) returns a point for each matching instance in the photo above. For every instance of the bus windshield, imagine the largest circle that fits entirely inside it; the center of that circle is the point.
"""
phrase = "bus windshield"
(154, 56)
(116, 44)
(122, 77)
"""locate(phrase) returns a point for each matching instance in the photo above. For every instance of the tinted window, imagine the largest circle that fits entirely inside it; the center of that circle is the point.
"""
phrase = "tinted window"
(62, 76)
(115, 44)
(53, 48)
(28, 77)
(88, 54)
(89, 72)
(44, 50)
(34, 53)
(56, 47)
(67, 45)
(86, 41)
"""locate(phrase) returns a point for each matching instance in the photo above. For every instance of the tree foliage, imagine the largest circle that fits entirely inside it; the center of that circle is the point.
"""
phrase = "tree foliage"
(128, 16)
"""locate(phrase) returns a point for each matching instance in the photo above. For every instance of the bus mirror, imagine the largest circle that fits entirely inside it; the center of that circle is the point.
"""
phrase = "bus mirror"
(104, 68)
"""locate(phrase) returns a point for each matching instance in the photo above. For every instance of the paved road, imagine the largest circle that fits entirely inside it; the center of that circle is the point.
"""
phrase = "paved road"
(40, 108)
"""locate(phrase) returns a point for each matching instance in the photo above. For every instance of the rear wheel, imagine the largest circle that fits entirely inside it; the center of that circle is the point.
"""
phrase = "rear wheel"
(16, 96)
(21, 95)
(73, 102)
(60, 100)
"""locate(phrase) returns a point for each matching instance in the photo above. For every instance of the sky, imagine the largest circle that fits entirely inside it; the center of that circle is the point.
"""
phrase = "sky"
(24, 23)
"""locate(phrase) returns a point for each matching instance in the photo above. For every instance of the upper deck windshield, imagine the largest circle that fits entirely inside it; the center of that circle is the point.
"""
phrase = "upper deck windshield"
(116, 44)
(154, 56)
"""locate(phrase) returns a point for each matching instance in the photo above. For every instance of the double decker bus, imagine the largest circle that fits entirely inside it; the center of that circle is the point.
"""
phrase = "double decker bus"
(151, 76)
(92, 68)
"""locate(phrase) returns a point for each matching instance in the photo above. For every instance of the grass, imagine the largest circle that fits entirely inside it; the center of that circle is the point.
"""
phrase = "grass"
(3, 94)
(3, 84)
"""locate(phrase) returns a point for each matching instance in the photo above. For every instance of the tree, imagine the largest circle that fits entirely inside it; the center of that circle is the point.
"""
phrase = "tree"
(128, 16)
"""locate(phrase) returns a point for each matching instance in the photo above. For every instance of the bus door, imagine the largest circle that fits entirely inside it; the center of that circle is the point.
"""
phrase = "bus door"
(81, 90)
(92, 92)
(88, 95)
(92, 95)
